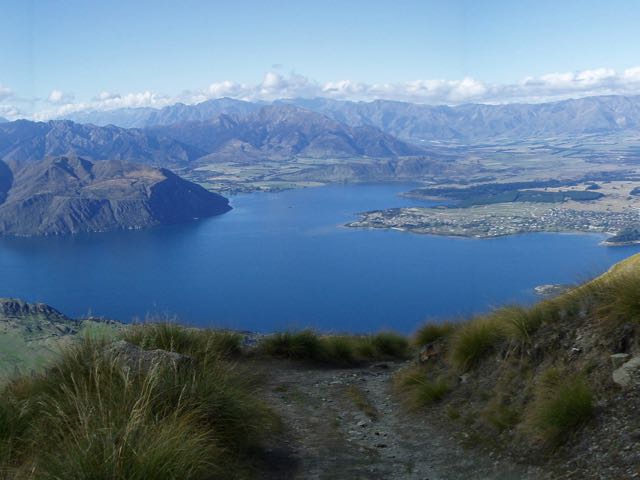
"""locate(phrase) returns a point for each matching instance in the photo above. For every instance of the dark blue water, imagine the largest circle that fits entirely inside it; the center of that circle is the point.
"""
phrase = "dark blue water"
(281, 261)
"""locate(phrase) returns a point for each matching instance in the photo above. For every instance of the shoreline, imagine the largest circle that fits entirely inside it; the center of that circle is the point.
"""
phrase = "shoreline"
(490, 237)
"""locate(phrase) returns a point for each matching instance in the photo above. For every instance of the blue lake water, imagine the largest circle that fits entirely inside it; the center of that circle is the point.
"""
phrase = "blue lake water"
(281, 260)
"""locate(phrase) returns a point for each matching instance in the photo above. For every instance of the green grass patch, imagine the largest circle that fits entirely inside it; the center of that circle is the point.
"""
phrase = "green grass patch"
(339, 350)
(562, 403)
(475, 340)
(390, 345)
(90, 416)
(418, 389)
(432, 332)
(303, 345)
(618, 298)
(200, 344)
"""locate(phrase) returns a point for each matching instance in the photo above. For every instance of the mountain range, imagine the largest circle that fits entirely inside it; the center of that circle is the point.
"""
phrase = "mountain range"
(274, 132)
(416, 122)
(62, 195)
(177, 113)
(24, 140)
(284, 131)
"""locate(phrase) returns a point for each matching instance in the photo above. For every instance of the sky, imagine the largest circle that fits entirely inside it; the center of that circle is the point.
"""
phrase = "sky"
(62, 56)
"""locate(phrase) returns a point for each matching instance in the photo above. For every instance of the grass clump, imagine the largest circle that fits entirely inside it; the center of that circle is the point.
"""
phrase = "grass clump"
(200, 344)
(432, 332)
(501, 416)
(475, 340)
(390, 345)
(340, 350)
(618, 298)
(418, 390)
(518, 323)
(92, 416)
(303, 345)
(562, 403)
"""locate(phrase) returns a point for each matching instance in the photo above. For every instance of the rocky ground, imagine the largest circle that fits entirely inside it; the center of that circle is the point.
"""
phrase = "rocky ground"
(347, 424)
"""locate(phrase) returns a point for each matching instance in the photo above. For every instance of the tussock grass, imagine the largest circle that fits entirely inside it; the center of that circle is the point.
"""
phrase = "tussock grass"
(618, 298)
(474, 341)
(340, 350)
(432, 332)
(515, 325)
(344, 350)
(200, 344)
(502, 416)
(418, 389)
(390, 345)
(303, 345)
(518, 323)
(90, 416)
(562, 403)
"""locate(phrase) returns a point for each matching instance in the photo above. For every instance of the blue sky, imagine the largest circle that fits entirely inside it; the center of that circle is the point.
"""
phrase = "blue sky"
(88, 54)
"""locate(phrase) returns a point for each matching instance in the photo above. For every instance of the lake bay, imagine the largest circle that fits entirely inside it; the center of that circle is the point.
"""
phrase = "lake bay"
(283, 260)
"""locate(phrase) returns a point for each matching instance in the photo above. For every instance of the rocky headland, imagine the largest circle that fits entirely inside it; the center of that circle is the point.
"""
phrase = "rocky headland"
(65, 195)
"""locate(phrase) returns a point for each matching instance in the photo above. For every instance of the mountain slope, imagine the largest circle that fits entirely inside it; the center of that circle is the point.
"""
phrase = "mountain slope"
(25, 140)
(70, 195)
(283, 131)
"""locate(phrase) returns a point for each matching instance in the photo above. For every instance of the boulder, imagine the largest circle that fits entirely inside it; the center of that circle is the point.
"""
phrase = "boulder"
(617, 359)
(427, 352)
(628, 374)
(137, 359)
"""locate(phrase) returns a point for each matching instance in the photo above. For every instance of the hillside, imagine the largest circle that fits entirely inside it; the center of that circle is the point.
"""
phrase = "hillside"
(557, 382)
(63, 195)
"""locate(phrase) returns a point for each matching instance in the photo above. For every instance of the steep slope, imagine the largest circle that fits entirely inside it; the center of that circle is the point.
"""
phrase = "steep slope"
(64, 195)
(283, 131)
(25, 140)
(556, 382)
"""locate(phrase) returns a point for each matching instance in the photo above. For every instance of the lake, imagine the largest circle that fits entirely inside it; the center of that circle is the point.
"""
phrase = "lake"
(282, 260)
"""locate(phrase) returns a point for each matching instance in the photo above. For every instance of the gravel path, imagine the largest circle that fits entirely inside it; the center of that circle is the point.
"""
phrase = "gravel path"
(328, 436)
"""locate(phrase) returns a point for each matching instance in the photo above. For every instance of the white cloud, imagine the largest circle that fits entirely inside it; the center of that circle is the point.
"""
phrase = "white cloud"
(103, 96)
(5, 92)
(9, 112)
(58, 97)
(548, 87)
(274, 85)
